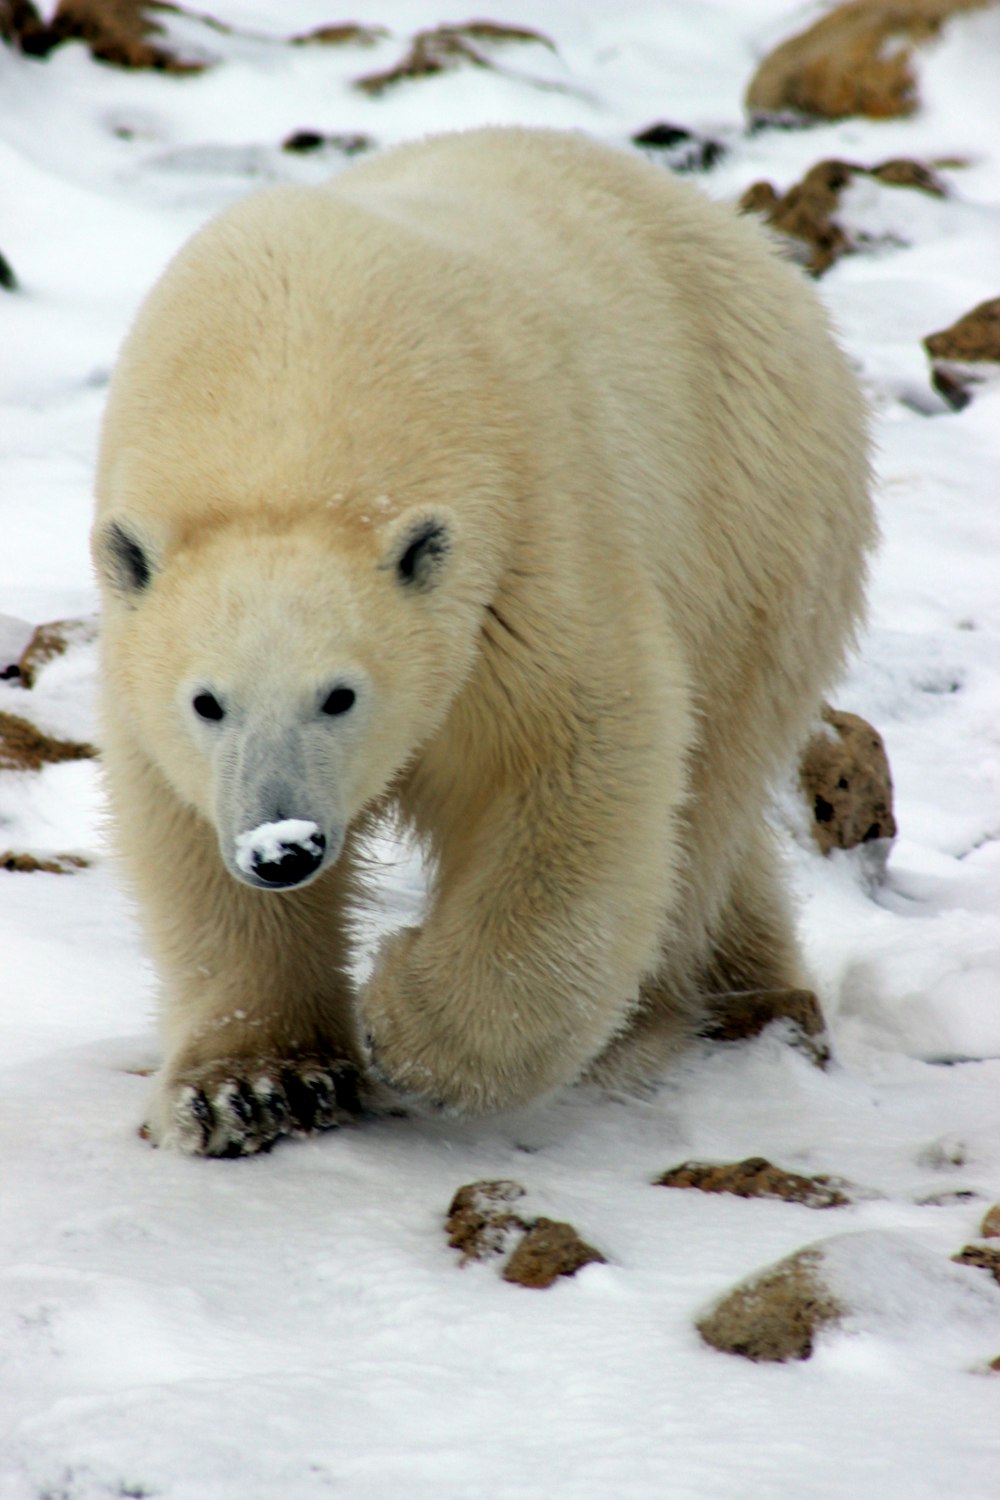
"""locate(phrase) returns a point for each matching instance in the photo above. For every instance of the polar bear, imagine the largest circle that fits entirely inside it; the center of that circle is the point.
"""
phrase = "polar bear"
(511, 484)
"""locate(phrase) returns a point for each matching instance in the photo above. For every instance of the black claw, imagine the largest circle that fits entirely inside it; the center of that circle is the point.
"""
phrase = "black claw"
(274, 1106)
(301, 1100)
(243, 1104)
(323, 1091)
(201, 1111)
(345, 1088)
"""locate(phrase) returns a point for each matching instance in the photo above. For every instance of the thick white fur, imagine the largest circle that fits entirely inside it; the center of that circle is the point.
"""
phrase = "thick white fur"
(628, 416)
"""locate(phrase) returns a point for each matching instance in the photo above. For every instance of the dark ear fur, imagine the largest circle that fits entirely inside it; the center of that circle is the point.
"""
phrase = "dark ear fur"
(422, 554)
(123, 561)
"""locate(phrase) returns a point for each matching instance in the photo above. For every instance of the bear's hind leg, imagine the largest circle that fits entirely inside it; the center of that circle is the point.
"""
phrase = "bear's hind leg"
(752, 951)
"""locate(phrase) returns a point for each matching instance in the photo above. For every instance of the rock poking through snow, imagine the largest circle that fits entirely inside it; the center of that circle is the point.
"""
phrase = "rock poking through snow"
(481, 1224)
(31, 864)
(874, 1281)
(757, 1178)
(967, 354)
(441, 49)
(845, 774)
(25, 747)
(775, 1315)
(549, 1249)
(990, 1227)
(981, 1256)
(806, 215)
(856, 60)
(52, 640)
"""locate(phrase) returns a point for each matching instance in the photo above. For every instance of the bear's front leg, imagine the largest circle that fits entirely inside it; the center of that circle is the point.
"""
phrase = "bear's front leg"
(528, 964)
(257, 1017)
(257, 1009)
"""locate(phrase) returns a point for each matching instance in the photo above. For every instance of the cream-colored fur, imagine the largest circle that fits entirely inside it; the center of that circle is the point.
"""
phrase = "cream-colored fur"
(629, 464)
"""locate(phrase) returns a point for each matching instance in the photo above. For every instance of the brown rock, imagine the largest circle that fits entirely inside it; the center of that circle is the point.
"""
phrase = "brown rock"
(681, 149)
(967, 354)
(806, 212)
(50, 641)
(901, 171)
(302, 142)
(549, 1250)
(980, 1255)
(480, 1224)
(990, 1229)
(447, 47)
(121, 32)
(25, 747)
(22, 26)
(479, 1221)
(348, 34)
(856, 60)
(742, 1014)
(30, 864)
(845, 775)
(757, 1178)
(806, 215)
(776, 1314)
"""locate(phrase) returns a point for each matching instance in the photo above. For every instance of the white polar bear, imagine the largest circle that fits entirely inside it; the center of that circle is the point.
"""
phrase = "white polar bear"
(512, 484)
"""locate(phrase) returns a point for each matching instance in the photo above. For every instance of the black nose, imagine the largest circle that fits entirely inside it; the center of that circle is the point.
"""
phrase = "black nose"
(295, 863)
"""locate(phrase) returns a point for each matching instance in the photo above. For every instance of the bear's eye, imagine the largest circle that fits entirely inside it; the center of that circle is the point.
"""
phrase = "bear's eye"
(423, 555)
(339, 701)
(207, 706)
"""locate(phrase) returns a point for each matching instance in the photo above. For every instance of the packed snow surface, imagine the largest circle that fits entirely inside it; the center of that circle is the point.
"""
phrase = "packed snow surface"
(294, 1324)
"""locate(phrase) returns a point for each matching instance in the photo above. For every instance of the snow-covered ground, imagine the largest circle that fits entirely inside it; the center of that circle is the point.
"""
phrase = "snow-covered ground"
(295, 1324)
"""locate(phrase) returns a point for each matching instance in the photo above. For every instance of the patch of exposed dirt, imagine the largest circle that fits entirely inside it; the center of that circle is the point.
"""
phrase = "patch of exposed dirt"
(757, 1178)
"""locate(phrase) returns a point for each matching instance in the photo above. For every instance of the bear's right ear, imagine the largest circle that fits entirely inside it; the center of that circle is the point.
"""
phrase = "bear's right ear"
(123, 561)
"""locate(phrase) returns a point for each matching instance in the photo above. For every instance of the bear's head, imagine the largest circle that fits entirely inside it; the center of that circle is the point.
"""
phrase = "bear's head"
(280, 676)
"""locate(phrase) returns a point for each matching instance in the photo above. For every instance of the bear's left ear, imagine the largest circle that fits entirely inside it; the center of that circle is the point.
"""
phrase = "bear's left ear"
(123, 560)
(419, 552)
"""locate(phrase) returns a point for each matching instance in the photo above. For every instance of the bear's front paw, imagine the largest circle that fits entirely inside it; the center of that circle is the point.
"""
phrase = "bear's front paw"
(239, 1107)
(413, 1051)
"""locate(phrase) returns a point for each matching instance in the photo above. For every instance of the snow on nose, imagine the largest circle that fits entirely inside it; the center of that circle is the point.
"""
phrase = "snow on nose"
(281, 854)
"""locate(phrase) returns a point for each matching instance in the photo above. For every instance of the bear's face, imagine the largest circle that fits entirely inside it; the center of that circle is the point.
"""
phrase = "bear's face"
(279, 679)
